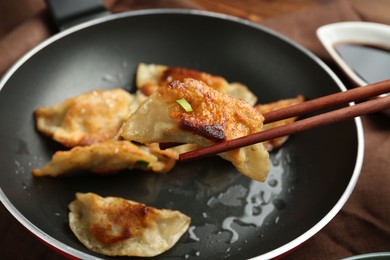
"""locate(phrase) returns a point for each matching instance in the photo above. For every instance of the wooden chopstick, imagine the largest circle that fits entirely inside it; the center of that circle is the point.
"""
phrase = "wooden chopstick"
(328, 101)
(363, 108)
(317, 104)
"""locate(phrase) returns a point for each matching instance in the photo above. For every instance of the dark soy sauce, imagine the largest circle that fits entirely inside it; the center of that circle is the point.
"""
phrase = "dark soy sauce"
(370, 63)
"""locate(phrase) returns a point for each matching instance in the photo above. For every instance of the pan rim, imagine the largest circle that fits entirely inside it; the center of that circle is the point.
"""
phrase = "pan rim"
(277, 251)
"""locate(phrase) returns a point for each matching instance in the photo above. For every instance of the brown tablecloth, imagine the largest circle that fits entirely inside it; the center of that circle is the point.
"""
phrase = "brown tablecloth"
(363, 224)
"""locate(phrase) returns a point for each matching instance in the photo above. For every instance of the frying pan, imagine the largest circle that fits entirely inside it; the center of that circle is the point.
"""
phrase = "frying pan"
(311, 176)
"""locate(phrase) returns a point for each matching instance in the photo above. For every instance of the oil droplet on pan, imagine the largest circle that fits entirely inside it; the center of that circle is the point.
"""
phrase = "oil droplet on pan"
(257, 200)
(192, 234)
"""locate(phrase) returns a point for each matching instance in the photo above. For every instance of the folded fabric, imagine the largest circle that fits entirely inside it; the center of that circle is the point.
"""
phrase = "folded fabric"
(363, 224)
(301, 27)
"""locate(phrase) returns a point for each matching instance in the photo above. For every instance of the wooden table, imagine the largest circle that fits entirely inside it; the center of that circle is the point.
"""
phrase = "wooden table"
(18, 243)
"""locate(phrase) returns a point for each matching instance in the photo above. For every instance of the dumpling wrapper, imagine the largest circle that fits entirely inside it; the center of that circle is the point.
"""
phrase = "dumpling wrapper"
(117, 227)
(216, 117)
(95, 116)
(151, 76)
(109, 157)
(276, 143)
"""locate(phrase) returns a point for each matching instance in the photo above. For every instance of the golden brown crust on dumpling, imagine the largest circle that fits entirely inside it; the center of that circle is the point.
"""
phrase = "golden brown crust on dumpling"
(118, 227)
(95, 116)
(215, 117)
(120, 213)
(107, 158)
(151, 76)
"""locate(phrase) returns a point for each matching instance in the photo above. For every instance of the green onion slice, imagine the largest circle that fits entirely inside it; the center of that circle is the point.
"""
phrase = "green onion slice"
(184, 104)
(140, 164)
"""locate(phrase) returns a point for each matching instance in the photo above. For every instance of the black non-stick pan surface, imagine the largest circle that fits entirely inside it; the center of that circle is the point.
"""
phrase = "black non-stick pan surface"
(233, 217)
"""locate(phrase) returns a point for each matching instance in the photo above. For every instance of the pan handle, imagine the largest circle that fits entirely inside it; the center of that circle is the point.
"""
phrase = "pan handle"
(67, 13)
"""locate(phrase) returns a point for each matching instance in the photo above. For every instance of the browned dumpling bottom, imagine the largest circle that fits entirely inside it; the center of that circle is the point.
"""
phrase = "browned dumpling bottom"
(114, 226)
(215, 117)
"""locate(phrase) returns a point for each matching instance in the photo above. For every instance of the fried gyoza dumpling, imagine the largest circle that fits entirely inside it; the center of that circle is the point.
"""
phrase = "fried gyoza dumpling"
(151, 76)
(117, 227)
(95, 116)
(109, 157)
(215, 117)
(276, 143)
